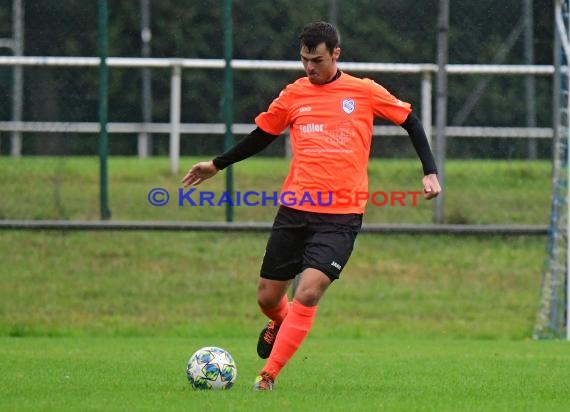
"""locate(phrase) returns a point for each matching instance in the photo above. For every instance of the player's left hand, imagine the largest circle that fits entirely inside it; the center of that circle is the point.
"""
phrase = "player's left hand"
(431, 187)
(199, 172)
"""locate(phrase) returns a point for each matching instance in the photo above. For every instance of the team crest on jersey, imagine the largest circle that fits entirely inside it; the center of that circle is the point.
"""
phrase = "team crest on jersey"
(348, 105)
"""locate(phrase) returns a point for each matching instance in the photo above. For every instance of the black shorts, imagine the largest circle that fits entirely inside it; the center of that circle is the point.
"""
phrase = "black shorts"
(301, 240)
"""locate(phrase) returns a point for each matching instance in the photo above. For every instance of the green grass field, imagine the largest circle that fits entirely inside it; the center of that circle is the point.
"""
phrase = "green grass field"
(333, 374)
(107, 320)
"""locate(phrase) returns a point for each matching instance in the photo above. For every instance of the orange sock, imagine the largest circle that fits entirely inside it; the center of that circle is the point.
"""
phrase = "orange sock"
(278, 313)
(293, 331)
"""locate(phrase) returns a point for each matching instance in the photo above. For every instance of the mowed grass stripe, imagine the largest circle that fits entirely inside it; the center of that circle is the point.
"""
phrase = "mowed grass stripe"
(420, 374)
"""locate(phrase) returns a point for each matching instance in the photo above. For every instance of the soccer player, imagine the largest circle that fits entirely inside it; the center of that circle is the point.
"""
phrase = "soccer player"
(330, 116)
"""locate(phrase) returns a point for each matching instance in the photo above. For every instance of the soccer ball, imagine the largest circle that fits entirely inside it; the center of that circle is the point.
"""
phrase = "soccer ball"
(211, 368)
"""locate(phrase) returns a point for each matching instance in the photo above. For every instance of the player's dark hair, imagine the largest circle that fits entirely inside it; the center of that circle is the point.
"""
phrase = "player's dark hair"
(318, 32)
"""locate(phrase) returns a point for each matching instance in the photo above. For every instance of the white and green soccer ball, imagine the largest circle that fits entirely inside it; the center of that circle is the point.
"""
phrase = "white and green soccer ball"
(211, 368)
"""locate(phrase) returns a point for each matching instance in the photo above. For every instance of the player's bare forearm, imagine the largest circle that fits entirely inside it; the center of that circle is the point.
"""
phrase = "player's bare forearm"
(431, 187)
(198, 173)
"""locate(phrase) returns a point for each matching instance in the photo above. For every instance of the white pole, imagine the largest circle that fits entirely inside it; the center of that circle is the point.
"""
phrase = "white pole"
(175, 86)
(566, 134)
(441, 103)
(564, 35)
(530, 83)
(566, 277)
(426, 104)
(144, 143)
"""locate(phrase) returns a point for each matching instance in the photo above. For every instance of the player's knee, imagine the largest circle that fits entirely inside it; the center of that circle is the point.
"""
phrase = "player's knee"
(308, 296)
(267, 298)
(311, 287)
(264, 302)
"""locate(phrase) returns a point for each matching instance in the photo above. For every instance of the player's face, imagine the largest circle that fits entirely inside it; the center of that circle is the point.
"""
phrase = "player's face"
(320, 65)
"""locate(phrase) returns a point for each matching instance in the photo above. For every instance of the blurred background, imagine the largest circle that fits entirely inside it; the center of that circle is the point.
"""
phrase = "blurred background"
(502, 166)
(388, 31)
(498, 149)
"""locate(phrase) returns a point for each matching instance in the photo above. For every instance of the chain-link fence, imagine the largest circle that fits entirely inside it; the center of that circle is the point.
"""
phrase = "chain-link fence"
(488, 175)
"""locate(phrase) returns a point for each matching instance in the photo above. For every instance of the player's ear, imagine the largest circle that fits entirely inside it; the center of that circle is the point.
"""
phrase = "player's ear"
(336, 53)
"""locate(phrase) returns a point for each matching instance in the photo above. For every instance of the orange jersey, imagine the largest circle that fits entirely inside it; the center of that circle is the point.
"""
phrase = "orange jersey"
(330, 128)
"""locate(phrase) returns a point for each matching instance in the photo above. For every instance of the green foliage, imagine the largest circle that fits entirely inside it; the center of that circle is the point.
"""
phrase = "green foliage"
(372, 31)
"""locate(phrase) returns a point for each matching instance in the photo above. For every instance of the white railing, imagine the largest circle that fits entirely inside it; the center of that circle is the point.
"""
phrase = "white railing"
(175, 128)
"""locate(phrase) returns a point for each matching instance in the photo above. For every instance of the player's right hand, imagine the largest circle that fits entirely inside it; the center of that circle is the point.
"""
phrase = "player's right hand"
(431, 186)
(199, 172)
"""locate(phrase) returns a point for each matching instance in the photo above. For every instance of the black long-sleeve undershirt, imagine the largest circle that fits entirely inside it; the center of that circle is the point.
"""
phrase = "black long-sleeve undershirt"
(252, 144)
(258, 140)
(415, 130)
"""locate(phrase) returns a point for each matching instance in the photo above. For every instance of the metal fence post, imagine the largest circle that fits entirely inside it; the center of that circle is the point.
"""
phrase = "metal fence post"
(441, 114)
(103, 16)
(175, 93)
(18, 76)
(426, 104)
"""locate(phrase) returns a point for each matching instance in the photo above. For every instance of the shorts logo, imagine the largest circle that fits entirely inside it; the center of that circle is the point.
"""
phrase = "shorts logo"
(348, 106)
(336, 265)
